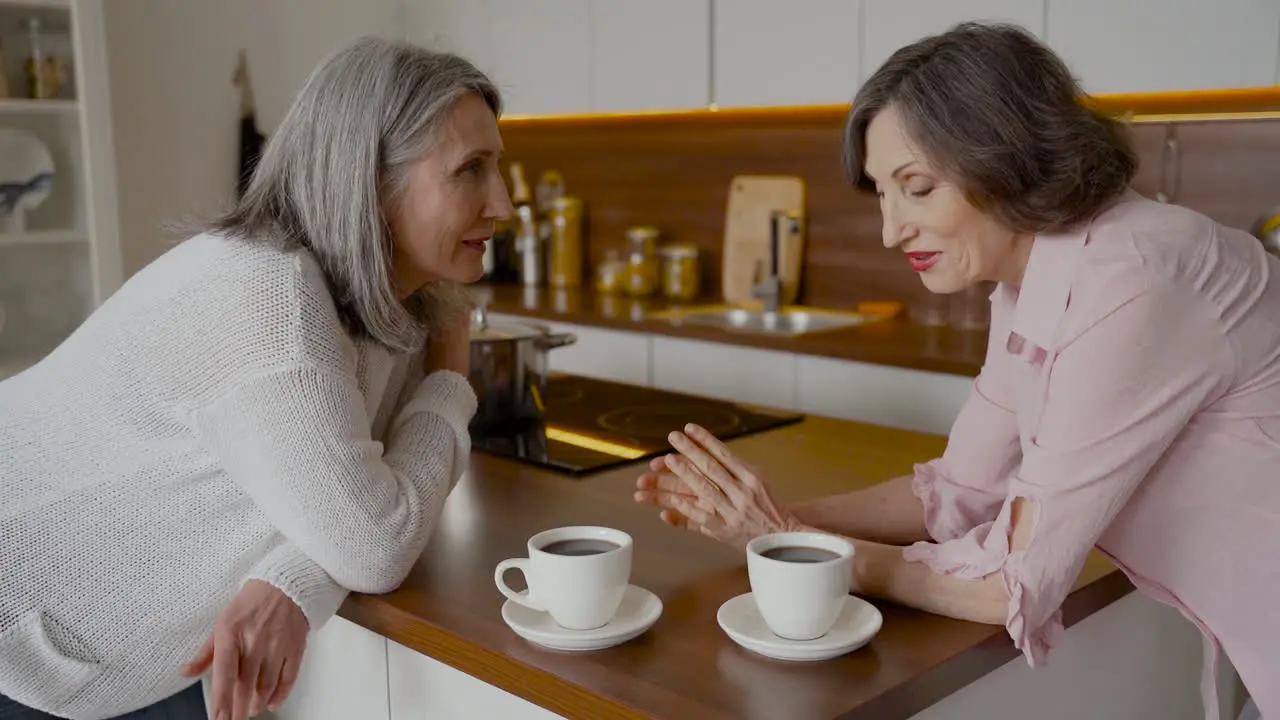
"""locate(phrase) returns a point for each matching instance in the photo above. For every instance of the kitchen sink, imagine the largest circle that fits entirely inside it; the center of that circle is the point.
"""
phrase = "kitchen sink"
(791, 320)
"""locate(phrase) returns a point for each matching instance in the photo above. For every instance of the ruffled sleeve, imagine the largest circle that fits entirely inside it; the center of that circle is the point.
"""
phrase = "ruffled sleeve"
(965, 487)
(1116, 397)
(1033, 619)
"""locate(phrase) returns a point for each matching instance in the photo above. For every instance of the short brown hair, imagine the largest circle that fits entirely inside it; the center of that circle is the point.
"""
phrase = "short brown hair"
(999, 114)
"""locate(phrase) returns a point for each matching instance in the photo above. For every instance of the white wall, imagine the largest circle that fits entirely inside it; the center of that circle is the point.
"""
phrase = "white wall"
(175, 111)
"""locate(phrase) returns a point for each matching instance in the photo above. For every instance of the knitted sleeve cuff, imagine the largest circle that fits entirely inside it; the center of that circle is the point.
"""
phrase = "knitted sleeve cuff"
(447, 394)
(300, 578)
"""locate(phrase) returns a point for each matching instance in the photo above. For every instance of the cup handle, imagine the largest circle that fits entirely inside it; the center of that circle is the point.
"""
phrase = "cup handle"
(524, 598)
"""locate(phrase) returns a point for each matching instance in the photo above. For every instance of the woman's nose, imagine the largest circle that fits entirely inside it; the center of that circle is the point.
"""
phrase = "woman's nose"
(894, 229)
(499, 205)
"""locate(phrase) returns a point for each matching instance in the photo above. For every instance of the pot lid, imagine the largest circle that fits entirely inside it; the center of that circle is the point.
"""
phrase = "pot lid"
(485, 331)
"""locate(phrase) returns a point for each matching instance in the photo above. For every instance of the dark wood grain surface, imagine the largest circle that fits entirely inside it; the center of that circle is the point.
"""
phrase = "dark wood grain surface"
(685, 666)
(900, 342)
(673, 170)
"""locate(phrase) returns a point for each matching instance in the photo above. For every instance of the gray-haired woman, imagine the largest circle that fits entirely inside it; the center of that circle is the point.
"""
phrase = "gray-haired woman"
(268, 416)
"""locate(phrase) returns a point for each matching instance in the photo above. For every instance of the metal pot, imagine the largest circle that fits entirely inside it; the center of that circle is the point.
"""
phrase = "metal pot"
(509, 372)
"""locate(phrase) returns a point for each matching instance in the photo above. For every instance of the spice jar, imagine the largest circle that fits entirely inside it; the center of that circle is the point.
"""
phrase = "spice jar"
(642, 261)
(565, 253)
(680, 272)
(611, 274)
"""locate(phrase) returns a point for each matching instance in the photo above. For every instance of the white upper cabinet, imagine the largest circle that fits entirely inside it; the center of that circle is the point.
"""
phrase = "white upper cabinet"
(569, 56)
(891, 24)
(1148, 45)
(463, 28)
(650, 54)
(537, 53)
(542, 55)
(768, 52)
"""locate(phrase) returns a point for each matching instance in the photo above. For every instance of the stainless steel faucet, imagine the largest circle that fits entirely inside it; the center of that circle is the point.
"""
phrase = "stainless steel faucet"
(769, 289)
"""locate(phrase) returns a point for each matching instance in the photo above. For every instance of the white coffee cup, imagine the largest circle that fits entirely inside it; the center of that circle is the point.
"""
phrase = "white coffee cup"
(799, 581)
(576, 574)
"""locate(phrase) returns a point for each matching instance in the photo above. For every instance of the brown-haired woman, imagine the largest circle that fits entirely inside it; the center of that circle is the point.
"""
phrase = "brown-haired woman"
(1130, 398)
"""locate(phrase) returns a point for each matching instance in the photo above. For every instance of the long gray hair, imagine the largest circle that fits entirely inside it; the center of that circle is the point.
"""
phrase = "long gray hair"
(340, 160)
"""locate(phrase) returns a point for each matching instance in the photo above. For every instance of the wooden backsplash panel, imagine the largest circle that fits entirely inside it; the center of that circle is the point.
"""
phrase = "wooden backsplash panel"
(1230, 170)
(674, 173)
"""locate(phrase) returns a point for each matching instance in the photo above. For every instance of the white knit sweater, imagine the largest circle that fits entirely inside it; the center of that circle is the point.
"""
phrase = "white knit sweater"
(210, 423)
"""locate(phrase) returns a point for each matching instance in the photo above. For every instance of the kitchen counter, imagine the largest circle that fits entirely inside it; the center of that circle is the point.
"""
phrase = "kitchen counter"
(685, 666)
(897, 342)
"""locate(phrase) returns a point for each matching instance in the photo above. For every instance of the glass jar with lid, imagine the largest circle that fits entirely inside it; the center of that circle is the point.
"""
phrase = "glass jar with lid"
(611, 274)
(642, 261)
(565, 261)
(681, 274)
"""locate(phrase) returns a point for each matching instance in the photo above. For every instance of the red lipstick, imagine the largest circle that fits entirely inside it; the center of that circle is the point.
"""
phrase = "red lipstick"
(922, 261)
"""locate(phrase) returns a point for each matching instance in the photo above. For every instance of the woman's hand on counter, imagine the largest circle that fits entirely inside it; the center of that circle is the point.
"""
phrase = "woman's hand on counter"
(703, 487)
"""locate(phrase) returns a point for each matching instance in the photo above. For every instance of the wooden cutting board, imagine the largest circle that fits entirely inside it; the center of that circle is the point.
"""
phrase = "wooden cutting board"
(752, 198)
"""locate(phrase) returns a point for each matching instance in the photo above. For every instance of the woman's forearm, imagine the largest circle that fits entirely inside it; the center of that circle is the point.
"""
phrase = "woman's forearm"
(887, 512)
(880, 571)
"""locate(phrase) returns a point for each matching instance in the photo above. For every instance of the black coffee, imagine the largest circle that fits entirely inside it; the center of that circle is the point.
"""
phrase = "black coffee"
(800, 554)
(579, 547)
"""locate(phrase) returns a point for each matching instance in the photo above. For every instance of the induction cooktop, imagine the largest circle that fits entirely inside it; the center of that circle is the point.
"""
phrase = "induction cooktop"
(589, 425)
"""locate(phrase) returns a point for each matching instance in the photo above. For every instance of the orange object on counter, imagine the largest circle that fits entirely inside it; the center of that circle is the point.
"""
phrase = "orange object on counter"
(883, 309)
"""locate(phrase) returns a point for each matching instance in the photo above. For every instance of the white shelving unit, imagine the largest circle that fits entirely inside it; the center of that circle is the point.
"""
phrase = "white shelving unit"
(66, 260)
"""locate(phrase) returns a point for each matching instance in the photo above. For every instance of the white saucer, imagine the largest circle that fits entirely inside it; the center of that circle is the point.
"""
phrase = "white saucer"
(740, 619)
(639, 610)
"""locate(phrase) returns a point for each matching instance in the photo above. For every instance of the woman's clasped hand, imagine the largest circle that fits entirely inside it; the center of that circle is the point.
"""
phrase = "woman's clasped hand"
(703, 487)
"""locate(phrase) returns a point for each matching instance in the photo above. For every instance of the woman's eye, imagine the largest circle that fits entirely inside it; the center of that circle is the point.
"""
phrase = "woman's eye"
(921, 191)
(470, 168)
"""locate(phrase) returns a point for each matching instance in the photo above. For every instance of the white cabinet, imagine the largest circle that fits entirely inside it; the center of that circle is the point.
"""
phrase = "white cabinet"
(537, 53)
(730, 372)
(462, 28)
(891, 25)
(598, 352)
(343, 676)
(1140, 45)
(422, 688)
(866, 392)
(542, 55)
(606, 354)
(650, 55)
(880, 394)
(785, 53)
(568, 56)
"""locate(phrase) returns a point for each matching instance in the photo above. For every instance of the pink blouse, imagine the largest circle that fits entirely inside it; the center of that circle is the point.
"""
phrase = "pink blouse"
(1131, 393)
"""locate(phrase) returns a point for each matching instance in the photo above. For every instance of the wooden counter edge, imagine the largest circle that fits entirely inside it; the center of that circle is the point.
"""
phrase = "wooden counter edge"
(816, 344)
(574, 701)
(533, 684)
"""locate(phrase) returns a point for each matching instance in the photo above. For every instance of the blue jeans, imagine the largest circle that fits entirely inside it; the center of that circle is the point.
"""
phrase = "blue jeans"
(186, 705)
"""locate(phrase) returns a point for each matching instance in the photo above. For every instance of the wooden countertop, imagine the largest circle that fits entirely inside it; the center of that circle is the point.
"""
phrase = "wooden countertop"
(685, 666)
(897, 342)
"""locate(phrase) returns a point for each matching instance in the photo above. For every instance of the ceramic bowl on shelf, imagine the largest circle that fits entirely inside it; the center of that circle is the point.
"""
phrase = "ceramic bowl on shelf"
(26, 172)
